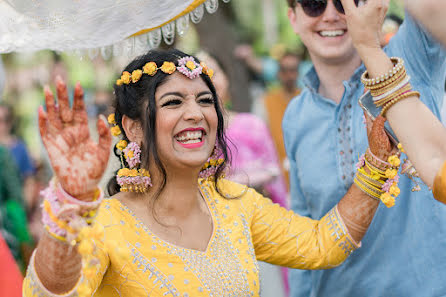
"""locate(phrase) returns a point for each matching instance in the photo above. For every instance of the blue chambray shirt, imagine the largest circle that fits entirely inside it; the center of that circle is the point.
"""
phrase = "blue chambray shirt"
(404, 250)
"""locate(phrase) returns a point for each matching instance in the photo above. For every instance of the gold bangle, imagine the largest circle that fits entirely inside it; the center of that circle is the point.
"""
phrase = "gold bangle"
(375, 161)
(374, 168)
(370, 180)
(397, 99)
(394, 81)
(401, 91)
(375, 194)
(397, 68)
(395, 88)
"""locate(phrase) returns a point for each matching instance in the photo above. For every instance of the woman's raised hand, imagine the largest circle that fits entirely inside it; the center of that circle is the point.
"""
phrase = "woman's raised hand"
(77, 161)
(365, 22)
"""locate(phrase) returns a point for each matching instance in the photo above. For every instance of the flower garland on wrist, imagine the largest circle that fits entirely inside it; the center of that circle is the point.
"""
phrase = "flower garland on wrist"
(377, 178)
(71, 221)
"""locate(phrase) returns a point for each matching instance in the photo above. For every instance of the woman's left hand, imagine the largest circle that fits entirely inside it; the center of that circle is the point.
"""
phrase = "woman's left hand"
(365, 22)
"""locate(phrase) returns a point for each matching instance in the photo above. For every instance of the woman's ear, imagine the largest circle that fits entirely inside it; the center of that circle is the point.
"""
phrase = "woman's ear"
(133, 129)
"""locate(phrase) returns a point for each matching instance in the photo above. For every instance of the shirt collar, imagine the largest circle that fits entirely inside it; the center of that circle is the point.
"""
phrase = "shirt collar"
(311, 79)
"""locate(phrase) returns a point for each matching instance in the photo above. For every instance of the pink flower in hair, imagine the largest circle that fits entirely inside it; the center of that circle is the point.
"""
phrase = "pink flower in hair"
(189, 67)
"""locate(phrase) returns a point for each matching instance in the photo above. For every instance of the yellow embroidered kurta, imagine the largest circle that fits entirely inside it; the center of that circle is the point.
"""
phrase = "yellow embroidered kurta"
(245, 229)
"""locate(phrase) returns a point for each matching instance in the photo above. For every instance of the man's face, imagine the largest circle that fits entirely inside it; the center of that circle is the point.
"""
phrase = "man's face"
(325, 36)
(288, 72)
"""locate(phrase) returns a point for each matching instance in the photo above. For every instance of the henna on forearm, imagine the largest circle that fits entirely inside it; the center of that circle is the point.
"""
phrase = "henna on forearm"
(57, 264)
(357, 210)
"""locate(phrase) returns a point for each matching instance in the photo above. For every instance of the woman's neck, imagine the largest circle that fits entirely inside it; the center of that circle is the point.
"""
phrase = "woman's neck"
(180, 195)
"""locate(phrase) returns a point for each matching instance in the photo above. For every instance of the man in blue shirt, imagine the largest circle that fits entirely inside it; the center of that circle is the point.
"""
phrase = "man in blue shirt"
(403, 252)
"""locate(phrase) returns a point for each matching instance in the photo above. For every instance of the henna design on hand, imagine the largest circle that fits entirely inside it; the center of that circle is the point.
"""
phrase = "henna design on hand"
(78, 162)
(379, 142)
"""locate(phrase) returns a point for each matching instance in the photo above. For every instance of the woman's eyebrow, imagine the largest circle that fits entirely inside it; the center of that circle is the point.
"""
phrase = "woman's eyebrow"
(172, 93)
(204, 93)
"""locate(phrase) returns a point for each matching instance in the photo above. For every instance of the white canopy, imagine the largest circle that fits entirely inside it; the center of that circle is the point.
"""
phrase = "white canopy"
(109, 27)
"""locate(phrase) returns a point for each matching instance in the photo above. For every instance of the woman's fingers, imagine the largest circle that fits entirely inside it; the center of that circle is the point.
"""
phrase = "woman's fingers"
(43, 121)
(80, 113)
(66, 114)
(52, 109)
(349, 6)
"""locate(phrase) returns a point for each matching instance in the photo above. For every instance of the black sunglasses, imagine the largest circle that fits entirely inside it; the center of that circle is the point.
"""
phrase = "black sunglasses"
(315, 8)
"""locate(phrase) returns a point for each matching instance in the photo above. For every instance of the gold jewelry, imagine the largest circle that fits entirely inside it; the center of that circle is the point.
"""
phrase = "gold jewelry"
(370, 191)
(399, 98)
(397, 68)
(392, 96)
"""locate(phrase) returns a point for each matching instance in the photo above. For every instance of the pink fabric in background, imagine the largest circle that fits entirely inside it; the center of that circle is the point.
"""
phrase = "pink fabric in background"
(253, 155)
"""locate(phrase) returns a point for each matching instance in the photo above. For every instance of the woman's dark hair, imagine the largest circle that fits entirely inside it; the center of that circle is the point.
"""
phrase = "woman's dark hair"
(137, 101)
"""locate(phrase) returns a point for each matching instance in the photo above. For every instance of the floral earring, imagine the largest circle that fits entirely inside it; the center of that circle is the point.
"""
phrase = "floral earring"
(131, 179)
(210, 167)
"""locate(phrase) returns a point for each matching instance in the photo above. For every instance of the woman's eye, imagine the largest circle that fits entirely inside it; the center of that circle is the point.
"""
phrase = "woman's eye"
(172, 102)
(209, 100)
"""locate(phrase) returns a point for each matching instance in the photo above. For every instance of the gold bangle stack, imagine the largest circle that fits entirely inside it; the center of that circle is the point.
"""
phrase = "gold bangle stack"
(393, 94)
(390, 87)
(369, 189)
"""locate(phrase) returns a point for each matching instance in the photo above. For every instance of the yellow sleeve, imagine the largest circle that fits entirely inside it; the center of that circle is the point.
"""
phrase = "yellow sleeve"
(284, 238)
(32, 287)
(439, 188)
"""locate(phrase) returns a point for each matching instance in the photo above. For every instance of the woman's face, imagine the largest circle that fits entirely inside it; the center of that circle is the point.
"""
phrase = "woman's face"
(186, 122)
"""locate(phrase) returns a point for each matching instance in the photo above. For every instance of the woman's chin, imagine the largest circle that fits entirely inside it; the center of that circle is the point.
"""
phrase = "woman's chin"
(190, 166)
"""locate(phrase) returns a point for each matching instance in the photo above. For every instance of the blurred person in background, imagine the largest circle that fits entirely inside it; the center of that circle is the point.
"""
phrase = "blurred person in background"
(13, 223)
(276, 100)
(267, 67)
(19, 153)
(391, 24)
(14, 174)
(326, 121)
(254, 163)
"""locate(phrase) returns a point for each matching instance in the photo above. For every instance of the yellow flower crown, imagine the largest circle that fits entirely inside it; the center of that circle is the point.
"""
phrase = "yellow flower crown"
(186, 65)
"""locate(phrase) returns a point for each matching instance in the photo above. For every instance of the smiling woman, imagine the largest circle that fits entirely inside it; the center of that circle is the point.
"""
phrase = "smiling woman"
(174, 225)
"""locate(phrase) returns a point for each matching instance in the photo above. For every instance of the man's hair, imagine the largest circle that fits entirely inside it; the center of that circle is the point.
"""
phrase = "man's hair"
(291, 3)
